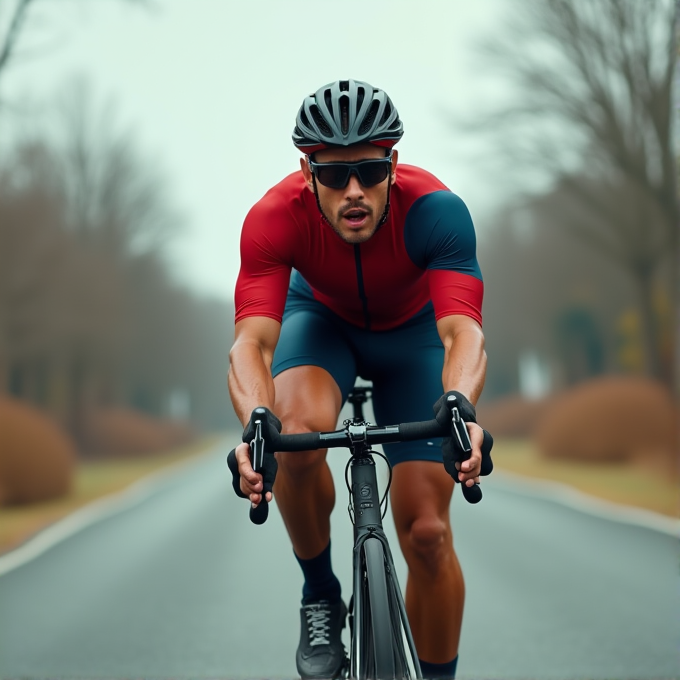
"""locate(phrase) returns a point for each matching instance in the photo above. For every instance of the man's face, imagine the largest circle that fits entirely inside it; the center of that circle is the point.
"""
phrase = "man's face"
(355, 210)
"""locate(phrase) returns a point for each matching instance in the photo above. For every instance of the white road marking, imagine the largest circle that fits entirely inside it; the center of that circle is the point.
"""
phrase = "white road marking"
(94, 512)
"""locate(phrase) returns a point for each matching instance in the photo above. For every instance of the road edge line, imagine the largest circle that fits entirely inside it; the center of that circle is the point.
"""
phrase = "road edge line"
(96, 511)
(571, 497)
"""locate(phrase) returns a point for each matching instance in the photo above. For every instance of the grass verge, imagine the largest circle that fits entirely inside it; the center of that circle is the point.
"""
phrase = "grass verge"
(628, 484)
(93, 479)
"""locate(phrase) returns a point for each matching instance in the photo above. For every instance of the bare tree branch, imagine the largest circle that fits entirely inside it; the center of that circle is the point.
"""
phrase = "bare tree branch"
(16, 24)
(13, 32)
(600, 74)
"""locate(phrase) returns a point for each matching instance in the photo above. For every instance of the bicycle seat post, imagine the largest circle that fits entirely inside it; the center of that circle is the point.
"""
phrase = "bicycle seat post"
(358, 397)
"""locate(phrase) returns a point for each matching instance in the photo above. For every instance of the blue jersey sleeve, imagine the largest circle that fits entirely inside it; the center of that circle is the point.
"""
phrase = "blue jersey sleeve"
(439, 234)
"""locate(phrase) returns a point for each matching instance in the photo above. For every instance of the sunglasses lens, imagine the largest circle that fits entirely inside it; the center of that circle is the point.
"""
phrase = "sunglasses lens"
(332, 175)
(372, 172)
(336, 175)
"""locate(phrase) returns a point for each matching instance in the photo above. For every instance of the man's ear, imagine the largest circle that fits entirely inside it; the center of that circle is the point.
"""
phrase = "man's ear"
(307, 172)
(395, 158)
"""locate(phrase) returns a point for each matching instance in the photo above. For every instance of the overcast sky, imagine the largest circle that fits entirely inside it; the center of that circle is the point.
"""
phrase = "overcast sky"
(211, 89)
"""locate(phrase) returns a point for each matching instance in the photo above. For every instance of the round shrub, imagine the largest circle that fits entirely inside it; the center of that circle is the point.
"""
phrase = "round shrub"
(512, 416)
(37, 459)
(611, 419)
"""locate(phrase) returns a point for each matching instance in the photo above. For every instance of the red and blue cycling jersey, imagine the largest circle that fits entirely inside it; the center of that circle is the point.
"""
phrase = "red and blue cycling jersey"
(425, 251)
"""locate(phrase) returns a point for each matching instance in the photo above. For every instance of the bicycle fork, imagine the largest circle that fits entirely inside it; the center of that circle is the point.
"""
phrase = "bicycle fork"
(368, 523)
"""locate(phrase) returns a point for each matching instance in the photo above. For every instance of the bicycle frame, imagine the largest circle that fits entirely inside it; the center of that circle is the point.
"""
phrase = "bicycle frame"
(371, 548)
(367, 520)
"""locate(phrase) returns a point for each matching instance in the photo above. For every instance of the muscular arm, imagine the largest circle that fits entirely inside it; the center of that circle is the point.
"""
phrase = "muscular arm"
(465, 371)
(250, 379)
(464, 356)
(251, 385)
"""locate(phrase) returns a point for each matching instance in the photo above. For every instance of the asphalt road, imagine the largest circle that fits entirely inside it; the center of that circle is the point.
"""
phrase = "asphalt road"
(181, 585)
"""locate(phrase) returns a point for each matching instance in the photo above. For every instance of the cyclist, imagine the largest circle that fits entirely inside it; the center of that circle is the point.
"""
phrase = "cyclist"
(358, 266)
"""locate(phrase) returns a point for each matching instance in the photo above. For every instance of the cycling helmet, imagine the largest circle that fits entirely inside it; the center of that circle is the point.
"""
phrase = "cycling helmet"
(346, 112)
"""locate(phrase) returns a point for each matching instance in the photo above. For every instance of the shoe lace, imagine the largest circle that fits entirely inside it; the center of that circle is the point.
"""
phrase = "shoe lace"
(318, 616)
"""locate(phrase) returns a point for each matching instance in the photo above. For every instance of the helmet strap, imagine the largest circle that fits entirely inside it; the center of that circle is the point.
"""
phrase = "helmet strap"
(318, 202)
(386, 212)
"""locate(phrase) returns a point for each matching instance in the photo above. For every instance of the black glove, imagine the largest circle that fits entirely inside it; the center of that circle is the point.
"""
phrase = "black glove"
(270, 428)
(270, 432)
(452, 452)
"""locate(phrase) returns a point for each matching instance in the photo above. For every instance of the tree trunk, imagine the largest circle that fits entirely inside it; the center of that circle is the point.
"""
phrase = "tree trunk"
(649, 328)
(675, 318)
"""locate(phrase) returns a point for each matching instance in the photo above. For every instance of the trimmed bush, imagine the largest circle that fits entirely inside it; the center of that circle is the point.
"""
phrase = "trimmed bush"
(512, 416)
(612, 419)
(124, 432)
(37, 459)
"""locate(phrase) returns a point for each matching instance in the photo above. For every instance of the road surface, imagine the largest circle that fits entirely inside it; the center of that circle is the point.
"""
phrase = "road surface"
(176, 583)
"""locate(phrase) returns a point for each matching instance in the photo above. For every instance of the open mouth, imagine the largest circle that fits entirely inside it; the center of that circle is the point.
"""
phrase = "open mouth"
(355, 216)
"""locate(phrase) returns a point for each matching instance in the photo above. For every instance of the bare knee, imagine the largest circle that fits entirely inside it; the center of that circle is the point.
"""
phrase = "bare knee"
(428, 543)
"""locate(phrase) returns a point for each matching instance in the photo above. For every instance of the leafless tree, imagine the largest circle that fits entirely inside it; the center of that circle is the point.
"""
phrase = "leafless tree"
(89, 311)
(56, 296)
(14, 16)
(592, 105)
(116, 200)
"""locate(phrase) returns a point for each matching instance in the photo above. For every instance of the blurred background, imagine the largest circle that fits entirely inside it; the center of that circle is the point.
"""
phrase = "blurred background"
(136, 134)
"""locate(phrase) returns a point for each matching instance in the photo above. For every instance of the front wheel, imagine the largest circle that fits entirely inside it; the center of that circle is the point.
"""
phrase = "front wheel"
(377, 618)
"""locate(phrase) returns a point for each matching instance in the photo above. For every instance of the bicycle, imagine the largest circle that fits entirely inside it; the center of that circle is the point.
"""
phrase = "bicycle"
(382, 646)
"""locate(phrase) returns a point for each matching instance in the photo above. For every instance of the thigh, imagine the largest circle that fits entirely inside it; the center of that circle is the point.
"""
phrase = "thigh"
(313, 368)
(310, 336)
(307, 399)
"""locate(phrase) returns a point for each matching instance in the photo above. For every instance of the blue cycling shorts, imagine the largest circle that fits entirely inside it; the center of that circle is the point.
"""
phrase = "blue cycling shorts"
(404, 364)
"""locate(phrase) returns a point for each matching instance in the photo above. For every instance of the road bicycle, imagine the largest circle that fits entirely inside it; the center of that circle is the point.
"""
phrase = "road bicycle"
(381, 646)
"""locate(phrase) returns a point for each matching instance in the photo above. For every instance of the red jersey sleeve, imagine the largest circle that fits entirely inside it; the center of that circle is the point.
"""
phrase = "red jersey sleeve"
(455, 293)
(266, 261)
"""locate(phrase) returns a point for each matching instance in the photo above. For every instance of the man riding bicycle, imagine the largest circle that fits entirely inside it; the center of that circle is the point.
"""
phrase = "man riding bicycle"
(357, 266)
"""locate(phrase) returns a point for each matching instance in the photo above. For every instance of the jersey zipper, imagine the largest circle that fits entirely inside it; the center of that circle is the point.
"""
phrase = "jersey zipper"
(362, 290)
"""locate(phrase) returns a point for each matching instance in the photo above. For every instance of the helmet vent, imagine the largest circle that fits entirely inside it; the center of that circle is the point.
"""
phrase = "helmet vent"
(344, 86)
(344, 114)
(361, 93)
(304, 119)
(323, 126)
(386, 114)
(370, 118)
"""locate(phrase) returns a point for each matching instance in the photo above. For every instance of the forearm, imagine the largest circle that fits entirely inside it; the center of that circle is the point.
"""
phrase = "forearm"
(464, 362)
(250, 379)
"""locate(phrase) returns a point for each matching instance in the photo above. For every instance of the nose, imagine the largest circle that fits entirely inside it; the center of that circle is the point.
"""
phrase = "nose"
(354, 188)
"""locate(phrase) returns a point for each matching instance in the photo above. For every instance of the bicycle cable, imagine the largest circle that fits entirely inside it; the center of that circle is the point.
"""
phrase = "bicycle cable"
(350, 508)
(384, 500)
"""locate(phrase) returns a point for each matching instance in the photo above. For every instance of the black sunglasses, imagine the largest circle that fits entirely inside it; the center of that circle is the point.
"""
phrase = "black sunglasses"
(336, 175)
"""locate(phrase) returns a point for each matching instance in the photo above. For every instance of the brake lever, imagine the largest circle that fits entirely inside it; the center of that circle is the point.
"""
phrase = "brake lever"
(257, 448)
(259, 514)
(459, 427)
(472, 494)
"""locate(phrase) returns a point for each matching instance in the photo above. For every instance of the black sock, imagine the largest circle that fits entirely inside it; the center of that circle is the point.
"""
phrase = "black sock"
(320, 581)
(439, 670)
